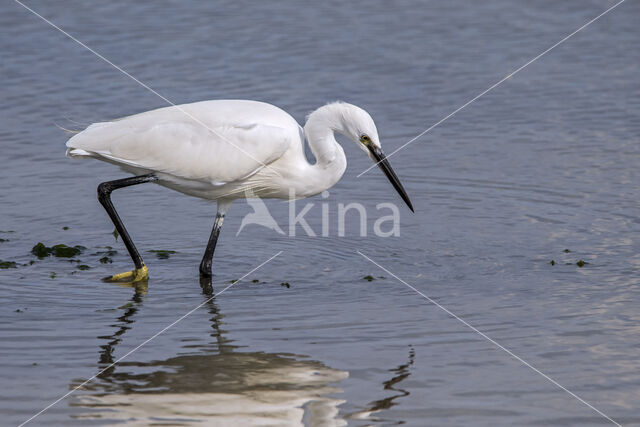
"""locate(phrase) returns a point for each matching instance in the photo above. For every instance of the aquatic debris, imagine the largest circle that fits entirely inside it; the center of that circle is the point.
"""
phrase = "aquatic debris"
(162, 254)
(4, 240)
(40, 250)
(65, 228)
(255, 281)
(109, 252)
(83, 267)
(60, 251)
(115, 234)
(580, 263)
(285, 284)
(369, 278)
(233, 281)
(106, 255)
(65, 251)
(8, 264)
(52, 275)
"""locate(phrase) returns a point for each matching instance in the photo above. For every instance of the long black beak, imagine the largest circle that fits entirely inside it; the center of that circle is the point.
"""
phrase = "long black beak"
(383, 163)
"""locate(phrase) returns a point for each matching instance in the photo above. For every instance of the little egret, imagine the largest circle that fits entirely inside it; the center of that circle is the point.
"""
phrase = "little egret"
(223, 150)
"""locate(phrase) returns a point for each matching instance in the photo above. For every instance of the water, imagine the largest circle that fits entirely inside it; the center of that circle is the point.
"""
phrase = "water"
(547, 161)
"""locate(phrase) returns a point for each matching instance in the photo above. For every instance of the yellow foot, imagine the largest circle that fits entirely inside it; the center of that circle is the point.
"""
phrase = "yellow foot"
(137, 275)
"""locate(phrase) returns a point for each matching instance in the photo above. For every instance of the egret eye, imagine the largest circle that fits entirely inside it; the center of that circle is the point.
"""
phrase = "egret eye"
(365, 139)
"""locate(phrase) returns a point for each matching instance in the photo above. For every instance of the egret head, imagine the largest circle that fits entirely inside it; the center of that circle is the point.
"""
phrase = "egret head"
(358, 125)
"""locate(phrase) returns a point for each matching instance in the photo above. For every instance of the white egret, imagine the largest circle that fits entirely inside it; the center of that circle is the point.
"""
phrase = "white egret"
(223, 150)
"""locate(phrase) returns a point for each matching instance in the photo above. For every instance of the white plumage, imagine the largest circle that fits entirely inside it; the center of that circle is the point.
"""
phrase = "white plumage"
(228, 149)
(198, 148)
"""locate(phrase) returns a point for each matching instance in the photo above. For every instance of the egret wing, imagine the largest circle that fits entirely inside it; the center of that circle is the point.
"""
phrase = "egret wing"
(186, 149)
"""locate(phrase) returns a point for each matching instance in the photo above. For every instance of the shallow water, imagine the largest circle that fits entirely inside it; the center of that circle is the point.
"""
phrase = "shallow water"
(547, 161)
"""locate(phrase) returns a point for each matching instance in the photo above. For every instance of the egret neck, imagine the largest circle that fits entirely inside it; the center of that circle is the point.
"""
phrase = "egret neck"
(330, 159)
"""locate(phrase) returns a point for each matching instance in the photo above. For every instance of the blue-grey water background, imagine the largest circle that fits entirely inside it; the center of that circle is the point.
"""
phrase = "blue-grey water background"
(547, 161)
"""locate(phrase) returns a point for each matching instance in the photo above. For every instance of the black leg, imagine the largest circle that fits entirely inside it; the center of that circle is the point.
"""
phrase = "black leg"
(104, 196)
(205, 265)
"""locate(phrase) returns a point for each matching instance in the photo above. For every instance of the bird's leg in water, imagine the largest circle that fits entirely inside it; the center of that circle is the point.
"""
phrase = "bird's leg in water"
(205, 265)
(104, 196)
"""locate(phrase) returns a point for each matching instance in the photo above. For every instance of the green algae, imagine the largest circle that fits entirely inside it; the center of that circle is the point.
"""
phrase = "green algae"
(59, 251)
(8, 264)
(162, 254)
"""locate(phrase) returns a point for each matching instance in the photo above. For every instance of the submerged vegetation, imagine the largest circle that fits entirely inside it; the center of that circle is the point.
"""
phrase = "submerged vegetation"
(162, 254)
(106, 255)
(63, 251)
(59, 251)
(580, 263)
(8, 264)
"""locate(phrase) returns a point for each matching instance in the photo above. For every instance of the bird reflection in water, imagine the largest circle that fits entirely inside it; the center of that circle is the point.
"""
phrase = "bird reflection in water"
(125, 322)
(219, 385)
(214, 386)
(400, 373)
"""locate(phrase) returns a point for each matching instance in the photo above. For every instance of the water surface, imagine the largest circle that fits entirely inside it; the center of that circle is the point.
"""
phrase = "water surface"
(547, 161)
